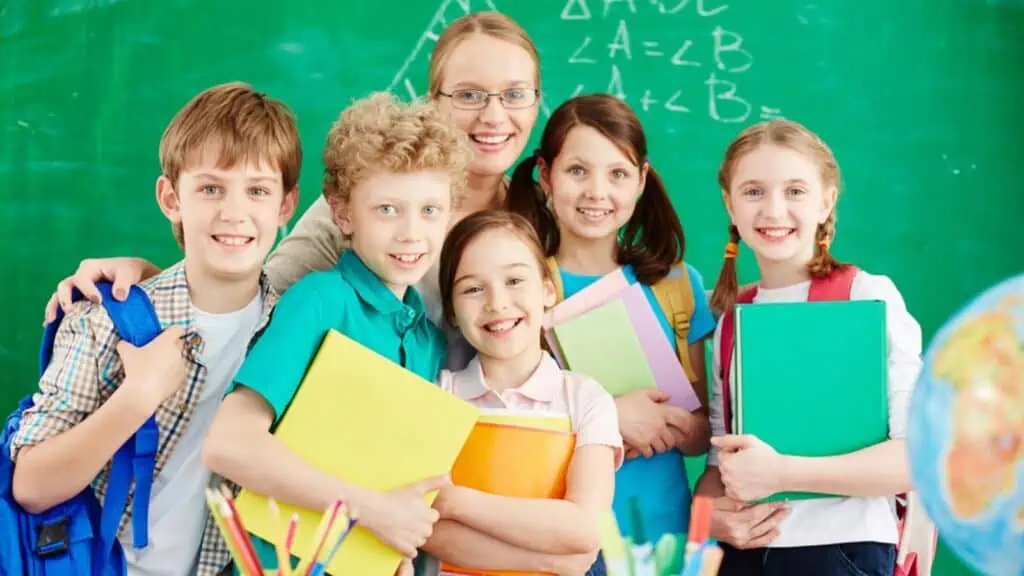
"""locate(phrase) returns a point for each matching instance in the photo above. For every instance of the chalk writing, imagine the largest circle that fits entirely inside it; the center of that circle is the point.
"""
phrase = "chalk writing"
(702, 10)
(615, 84)
(734, 44)
(651, 49)
(576, 10)
(577, 56)
(661, 56)
(679, 58)
(621, 41)
(720, 93)
(609, 3)
(704, 58)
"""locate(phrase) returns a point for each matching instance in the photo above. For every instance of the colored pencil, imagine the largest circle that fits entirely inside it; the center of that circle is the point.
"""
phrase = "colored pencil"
(229, 500)
(316, 542)
(284, 563)
(247, 561)
(711, 561)
(319, 568)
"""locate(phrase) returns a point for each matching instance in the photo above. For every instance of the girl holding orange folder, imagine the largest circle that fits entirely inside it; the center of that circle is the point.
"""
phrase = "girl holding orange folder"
(599, 206)
(780, 183)
(495, 288)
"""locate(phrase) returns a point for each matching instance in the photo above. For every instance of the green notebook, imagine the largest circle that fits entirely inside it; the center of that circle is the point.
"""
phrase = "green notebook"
(603, 345)
(811, 377)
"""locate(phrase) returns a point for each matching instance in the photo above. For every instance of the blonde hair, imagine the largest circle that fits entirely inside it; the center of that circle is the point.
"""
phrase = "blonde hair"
(792, 135)
(380, 133)
(489, 23)
(242, 124)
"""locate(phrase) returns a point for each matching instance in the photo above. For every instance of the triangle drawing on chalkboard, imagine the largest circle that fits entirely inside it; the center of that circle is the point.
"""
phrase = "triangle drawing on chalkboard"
(418, 61)
(576, 10)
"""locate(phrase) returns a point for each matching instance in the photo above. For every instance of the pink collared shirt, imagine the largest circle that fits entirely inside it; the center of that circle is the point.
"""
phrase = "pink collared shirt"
(549, 390)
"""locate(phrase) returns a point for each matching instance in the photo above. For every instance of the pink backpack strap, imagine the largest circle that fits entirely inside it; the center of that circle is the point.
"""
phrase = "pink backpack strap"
(837, 286)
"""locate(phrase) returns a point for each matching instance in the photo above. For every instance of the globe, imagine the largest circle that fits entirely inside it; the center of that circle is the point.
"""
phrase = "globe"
(965, 431)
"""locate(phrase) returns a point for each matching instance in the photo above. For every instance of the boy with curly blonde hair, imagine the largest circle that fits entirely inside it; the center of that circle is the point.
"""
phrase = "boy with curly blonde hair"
(391, 173)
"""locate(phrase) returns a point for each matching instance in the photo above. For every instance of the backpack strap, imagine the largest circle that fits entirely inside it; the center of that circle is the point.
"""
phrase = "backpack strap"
(837, 286)
(556, 278)
(674, 294)
(136, 322)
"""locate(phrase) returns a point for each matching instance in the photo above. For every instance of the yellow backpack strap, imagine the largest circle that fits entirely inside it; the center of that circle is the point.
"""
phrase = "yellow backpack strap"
(675, 296)
(556, 277)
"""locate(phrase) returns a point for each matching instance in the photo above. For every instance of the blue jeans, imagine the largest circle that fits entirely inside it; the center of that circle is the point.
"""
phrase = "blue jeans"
(849, 559)
(598, 568)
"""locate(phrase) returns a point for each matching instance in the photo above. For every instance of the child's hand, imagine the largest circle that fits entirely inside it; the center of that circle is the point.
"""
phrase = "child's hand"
(401, 519)
(642, 422)
(123, 272)
(444, 501)
(405, 568)
(750, 468)
(157, 370)
(746, 526)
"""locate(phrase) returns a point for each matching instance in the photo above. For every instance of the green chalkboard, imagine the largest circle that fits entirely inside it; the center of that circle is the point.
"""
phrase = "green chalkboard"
(921, 101)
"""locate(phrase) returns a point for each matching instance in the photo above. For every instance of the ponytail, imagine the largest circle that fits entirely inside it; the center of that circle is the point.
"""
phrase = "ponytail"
(652, 241)
(823, 264)
(724, 297)
(526, 198)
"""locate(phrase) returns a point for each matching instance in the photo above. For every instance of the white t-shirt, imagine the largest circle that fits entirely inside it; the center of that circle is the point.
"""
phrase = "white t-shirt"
(177, 509)
(837, 520)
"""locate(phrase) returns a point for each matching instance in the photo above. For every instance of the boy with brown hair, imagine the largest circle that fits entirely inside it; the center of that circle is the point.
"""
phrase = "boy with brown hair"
(230, 162)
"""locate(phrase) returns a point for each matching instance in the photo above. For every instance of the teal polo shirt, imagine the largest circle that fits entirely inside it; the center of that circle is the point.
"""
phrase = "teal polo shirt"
(352, 300)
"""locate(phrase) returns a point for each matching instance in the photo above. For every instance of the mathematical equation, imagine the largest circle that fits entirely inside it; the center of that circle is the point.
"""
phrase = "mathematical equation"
(701, 71)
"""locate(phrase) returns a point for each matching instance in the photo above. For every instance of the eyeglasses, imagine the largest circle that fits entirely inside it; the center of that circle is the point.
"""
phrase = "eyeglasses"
(512, 99)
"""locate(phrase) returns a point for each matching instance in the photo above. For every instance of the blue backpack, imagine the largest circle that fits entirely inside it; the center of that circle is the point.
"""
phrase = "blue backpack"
(79, 536)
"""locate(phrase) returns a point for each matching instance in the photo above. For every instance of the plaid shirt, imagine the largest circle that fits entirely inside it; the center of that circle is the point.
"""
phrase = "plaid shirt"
(86, 370)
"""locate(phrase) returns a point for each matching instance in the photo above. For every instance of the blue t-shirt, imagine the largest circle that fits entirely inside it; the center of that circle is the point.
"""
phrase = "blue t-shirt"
(659, 484)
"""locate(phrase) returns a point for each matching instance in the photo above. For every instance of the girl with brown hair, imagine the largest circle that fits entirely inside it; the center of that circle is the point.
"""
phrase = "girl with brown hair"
(598, 205)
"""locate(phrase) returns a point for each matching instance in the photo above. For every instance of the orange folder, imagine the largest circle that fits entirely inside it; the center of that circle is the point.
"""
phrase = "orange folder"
(510, 460)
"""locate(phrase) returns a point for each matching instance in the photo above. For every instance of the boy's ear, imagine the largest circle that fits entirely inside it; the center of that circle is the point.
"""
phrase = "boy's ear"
(288, 205)
(340, 214)
(167, 199)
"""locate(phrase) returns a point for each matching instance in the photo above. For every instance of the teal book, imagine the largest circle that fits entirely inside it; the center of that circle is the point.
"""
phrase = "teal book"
(811, 377)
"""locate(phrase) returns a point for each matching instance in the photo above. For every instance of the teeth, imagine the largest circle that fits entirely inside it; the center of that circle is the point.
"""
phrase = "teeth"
(502, 326)
(776, 232)
(592, 213)
(232, 240)
(407, 258)
(491, 139)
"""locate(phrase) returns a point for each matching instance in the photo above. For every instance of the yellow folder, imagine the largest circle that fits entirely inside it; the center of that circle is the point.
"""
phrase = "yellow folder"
(369, 422)
(526, 419)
